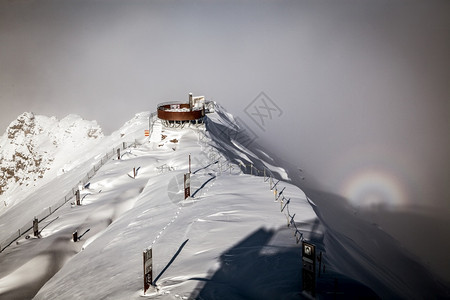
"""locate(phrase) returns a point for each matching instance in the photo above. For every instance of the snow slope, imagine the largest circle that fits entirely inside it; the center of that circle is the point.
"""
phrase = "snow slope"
(35, 149)
(190, 238)
(229, 240)
(72, 153)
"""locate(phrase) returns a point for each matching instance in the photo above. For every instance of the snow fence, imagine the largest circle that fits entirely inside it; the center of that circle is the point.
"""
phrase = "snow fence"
(51, 209)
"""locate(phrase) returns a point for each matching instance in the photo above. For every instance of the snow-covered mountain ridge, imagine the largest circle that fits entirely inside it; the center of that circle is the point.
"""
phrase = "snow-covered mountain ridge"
(232, 239)
(121, 216)
(33, 145)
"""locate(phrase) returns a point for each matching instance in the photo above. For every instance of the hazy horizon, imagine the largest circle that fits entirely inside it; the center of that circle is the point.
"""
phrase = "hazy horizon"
(361, 88)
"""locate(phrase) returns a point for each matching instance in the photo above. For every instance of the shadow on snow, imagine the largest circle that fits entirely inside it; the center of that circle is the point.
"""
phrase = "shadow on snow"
(255, 268)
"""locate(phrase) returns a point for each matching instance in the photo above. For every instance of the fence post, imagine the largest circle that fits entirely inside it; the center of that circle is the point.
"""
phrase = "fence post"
(118, 153)
(187, 185)
(77, 195)
(148, 268)
(319, 258)
(35, 227)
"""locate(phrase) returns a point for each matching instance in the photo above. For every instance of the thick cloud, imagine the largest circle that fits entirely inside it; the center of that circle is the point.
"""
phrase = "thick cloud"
(362, 86)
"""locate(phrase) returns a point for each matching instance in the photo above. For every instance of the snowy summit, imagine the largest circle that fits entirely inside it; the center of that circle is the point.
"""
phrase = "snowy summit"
(238, 234)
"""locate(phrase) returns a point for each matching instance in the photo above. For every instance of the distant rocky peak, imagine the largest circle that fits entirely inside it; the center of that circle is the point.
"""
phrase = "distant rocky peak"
(24, 124)
(31, 144)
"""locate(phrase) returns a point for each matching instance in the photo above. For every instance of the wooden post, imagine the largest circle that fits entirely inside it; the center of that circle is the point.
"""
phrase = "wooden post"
(187, 185)
(319, 258)
(77, 196)
(148, 268)
(75, 236)
(146, 285)
(189, 163)
(118, 153)
(134, 172)
(35, 227)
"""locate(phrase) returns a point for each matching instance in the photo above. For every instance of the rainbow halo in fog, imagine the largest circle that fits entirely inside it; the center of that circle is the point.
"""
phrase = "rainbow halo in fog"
(372, 187)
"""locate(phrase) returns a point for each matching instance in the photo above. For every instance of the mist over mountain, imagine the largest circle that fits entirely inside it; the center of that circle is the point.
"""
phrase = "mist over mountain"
(357, 104)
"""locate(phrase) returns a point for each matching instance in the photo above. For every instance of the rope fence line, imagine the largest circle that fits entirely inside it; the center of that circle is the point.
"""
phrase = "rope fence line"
(215, 156)
(212, 157)
(278, 197)
(53, 208)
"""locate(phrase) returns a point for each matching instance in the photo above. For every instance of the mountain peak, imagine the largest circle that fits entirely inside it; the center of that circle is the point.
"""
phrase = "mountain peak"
(25, 123)
(32, 142)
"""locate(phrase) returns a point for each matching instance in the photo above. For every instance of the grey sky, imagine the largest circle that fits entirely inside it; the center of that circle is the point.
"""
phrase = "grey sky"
(363, 85)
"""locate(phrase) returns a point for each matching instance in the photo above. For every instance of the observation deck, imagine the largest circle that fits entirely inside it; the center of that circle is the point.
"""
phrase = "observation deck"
(180, 113)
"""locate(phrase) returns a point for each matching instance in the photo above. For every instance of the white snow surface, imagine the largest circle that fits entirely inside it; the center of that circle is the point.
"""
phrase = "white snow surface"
(195, 241)
(229, 240)
(72, 146)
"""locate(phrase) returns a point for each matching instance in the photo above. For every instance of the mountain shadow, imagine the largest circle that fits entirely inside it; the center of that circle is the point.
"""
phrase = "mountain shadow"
(261, 267)
(362, 249)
